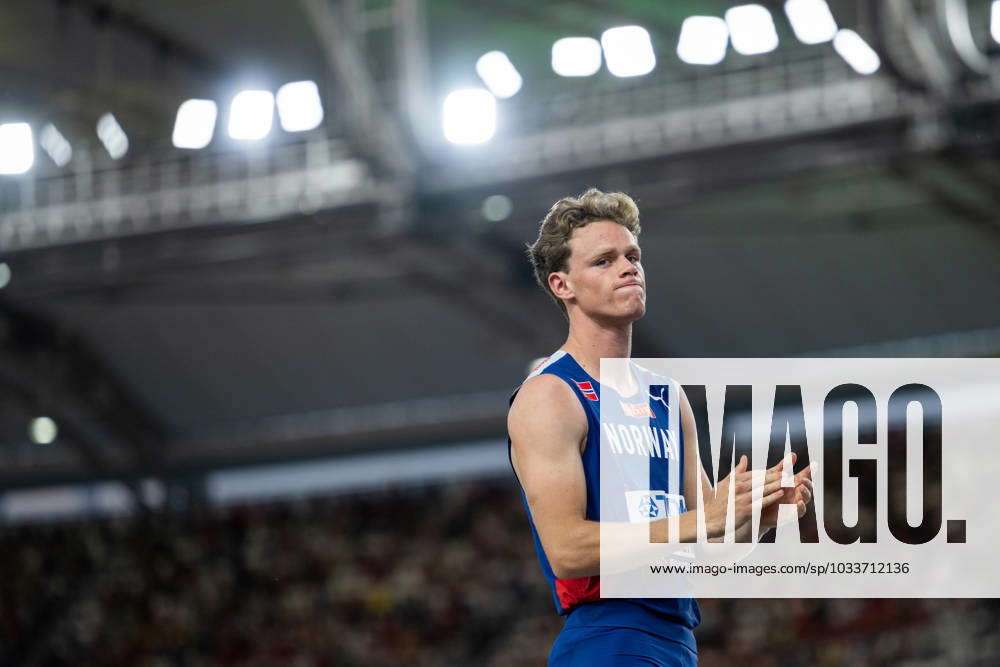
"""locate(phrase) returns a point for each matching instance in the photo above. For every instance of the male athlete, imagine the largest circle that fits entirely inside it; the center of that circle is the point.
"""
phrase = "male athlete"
(587, 259)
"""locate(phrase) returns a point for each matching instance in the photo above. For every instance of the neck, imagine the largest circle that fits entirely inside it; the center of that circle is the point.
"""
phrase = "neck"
(589, 341)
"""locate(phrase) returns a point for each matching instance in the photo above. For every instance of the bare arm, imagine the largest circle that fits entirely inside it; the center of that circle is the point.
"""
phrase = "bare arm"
(547, 427)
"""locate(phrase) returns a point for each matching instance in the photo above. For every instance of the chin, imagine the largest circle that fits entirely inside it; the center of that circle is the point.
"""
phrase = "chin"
(638, 308)
(634, 313)
(622, 312)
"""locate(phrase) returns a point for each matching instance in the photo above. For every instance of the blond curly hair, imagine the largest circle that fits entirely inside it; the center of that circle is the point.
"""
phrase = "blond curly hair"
(551, 250)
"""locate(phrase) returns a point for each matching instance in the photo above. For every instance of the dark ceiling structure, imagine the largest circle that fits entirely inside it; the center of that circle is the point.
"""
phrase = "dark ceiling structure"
(341, 290)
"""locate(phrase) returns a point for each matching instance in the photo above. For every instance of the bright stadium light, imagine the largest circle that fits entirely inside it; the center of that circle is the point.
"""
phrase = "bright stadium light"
(195, 124)
(499, 74)
(497, 207)
(112, 136)
(751, 29)
(470, 116)
(17, 150)
(628, 51)
(856, 51)
(576, 56)
(251, 115)
(42, 430)
(299, 106)
(995, 20)
(55, 145)
(811, 20)
(703, 40)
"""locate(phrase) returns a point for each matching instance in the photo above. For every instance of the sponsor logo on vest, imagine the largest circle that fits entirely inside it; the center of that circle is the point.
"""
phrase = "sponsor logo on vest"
(637, 410)
(651, 504)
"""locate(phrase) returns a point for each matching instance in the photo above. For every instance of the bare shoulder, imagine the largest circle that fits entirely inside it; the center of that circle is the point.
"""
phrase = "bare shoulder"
(546, 411)
(544, 396)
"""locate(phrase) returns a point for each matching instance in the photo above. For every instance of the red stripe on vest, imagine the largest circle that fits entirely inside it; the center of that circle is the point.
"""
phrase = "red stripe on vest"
(572, 592)
(587, 389)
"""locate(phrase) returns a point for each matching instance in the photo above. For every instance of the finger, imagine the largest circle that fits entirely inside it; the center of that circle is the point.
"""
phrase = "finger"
(781, 463)
(773, 487)
(759, 481)
(769, 484)
(777, 467)
(778, 470)
(801, 509)
(772, 498)
(739, 472)
(805, 495)
(794, 459)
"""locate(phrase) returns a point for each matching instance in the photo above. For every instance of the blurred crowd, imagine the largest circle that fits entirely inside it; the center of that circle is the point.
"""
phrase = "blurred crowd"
(442, 575)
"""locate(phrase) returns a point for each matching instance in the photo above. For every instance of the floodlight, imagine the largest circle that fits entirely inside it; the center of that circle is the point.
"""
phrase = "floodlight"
(576, 56)
(251, 115)
(195, 124)
(751, 29)
(811, 20)
(17, 150)
(995, 20)
(497, 207)
(112, 136)
(628, 51)
(470, 116)
(856, 51)
(703, 40)
(55, 144)
(499, 74)
(42, 430)
(299, 106)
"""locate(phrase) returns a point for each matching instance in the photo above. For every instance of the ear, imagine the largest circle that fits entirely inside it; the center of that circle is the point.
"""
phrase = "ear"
(559, 284)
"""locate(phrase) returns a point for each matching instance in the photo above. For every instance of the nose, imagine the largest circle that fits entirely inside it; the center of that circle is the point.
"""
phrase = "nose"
(630, 269)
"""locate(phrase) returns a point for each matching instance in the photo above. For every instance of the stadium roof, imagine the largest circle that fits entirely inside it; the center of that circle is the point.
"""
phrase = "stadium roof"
(187, 311)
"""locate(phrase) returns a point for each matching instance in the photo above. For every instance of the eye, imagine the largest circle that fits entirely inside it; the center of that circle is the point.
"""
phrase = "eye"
(633, 258)
(601, 262)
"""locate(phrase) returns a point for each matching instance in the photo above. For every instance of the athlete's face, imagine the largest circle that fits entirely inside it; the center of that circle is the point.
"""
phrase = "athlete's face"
(605, 277)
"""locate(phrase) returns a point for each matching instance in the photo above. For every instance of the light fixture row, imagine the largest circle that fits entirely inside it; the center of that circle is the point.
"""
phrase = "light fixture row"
(469, 116)
(251, 115)
(704, 40)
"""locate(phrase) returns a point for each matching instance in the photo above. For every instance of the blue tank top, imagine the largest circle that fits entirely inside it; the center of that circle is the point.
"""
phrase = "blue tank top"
(639, 428)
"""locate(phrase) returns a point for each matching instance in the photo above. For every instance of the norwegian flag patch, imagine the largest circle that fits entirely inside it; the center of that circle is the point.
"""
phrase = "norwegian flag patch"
(587, 389)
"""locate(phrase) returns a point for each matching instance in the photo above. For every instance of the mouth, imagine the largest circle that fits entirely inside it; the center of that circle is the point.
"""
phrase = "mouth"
(639, 285)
